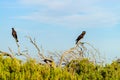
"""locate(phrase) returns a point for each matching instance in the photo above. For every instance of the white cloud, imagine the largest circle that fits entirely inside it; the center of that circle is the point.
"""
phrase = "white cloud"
(47, 3)
(71, 13)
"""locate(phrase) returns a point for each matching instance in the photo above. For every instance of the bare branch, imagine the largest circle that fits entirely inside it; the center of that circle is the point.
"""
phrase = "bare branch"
(36, 46)
(11, 51)
(66, 52)
(18, 46)
(6, 54)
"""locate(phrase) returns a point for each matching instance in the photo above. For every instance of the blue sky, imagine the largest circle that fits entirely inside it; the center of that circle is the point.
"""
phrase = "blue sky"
(56, 23)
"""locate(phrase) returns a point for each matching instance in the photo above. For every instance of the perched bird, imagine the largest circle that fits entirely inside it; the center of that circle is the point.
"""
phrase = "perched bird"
(47, 60)
(14, 34)
(80, 36)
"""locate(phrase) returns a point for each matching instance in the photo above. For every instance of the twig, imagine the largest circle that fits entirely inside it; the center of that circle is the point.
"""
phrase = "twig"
(18, 46)
(66, 52)
(11, 51)
(36, 46)
(6, 54)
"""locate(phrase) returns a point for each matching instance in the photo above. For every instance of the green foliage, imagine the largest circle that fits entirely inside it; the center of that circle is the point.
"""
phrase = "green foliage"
(14, 69)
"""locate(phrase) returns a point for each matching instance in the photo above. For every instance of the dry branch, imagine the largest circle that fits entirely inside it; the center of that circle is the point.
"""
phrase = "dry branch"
(63, 55)
(19, 52)
(79, 52)
(18, 46)
(36, 46)
(6, 54)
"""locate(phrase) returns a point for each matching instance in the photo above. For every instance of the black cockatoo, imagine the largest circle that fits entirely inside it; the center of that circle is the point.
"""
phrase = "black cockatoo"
(80, 36)
(14, 34)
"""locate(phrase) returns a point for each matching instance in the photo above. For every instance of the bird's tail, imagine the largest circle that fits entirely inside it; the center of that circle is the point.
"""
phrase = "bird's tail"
(16, 40)
(76, 42)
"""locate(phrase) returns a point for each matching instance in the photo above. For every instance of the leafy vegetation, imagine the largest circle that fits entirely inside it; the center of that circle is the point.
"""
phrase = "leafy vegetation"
(14, 69)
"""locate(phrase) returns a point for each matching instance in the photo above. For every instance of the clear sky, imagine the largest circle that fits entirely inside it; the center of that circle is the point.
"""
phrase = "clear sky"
(56, 23)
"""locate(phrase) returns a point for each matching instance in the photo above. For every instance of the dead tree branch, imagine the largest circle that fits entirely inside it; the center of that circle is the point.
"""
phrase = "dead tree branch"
(6, 54)
(18, 46)
(36, 46)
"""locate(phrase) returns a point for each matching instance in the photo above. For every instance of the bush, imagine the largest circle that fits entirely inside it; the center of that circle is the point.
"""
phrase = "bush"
(14, 69)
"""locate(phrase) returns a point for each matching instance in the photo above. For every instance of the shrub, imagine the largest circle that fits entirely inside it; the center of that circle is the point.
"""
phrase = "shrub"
(14, 69)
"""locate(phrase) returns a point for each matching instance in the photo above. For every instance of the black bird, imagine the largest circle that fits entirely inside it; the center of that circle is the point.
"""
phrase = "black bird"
(80, 36)
(47, 60)
(14, 34)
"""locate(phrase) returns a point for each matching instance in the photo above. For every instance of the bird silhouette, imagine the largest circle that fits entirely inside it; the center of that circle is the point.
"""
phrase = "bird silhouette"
(80, 36)
(47, 60)
(14, 34)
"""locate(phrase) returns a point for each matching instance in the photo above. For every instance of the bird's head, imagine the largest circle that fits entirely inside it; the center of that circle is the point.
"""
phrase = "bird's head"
(12, 28)
(84, 32)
